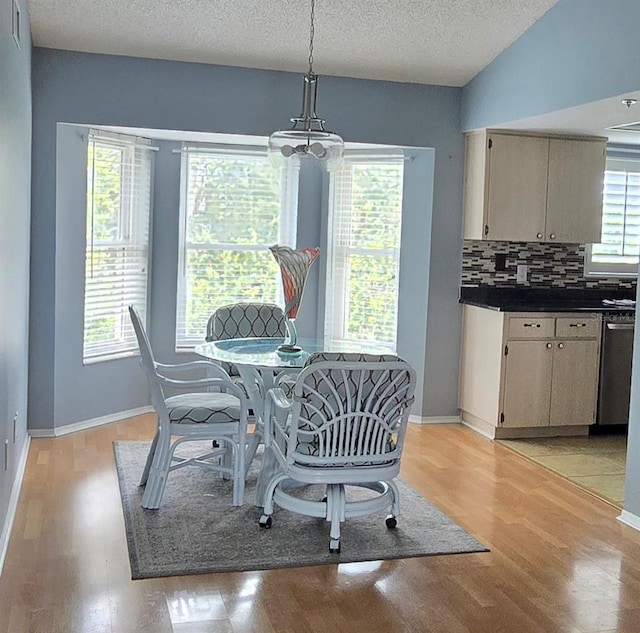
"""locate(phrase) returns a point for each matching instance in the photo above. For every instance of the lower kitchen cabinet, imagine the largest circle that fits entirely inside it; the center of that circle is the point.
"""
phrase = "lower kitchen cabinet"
(528, 367)
(550, 383)
(528, 375)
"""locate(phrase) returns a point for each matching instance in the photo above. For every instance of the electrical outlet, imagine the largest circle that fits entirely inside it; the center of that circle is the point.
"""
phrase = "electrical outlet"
(521, 275)
(501, 261)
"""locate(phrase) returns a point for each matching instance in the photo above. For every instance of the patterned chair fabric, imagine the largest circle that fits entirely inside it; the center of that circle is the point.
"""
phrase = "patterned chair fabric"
(203, 408)
(343, 425)
(196, 415)
(323, 394)
(242, 320)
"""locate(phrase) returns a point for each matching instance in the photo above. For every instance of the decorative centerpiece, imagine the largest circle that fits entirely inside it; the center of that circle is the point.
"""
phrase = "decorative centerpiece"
(294, 268)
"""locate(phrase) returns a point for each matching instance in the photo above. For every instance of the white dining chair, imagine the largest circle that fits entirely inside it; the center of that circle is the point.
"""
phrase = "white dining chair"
(344, 425)
(246, 320)
(192, 416)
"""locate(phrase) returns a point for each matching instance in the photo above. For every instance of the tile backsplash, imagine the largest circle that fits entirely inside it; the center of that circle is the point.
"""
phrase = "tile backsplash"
(559, 265)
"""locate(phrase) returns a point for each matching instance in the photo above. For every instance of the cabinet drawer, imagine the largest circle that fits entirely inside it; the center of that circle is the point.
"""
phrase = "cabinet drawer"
(531, 327)
(577, 327)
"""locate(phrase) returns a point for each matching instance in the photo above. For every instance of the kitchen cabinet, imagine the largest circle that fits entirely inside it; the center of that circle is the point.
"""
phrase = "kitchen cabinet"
(528, 375)
(533, 188)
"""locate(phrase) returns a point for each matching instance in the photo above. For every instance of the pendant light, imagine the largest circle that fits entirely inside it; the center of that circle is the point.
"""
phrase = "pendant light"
(307, 136)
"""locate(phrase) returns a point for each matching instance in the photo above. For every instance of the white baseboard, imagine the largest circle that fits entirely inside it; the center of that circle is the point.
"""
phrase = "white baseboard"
(477, 430)
(428, 419)
(88, 424)
(632, 520)
(13, 502)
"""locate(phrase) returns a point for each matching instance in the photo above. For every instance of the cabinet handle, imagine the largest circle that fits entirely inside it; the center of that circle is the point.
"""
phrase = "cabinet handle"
(560, 345)
(531, 325)
(539, 236)
(552, 236)
(549, 346)
(577, 325)
(620, 326)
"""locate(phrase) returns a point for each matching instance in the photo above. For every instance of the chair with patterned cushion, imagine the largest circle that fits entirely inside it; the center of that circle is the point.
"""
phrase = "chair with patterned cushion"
(193, 416)
(243, 320)
(344, 425)
(246, 320)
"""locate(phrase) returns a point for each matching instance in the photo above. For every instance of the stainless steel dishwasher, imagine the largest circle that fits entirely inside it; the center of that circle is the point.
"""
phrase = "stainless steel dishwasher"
(615, 369)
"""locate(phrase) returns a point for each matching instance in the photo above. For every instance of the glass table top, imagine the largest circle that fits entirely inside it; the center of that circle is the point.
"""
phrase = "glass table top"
(263, 352)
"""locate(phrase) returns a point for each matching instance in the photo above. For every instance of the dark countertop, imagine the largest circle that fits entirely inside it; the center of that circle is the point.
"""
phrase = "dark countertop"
(548, 299)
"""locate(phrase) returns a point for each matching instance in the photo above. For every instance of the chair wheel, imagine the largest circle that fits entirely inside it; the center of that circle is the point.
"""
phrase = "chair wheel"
(265, 522)
(391, 522)
(334, 546)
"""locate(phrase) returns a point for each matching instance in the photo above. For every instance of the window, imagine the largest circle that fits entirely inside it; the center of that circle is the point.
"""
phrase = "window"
(234, 205)
(617, 254)
(365, 216)
(117, 248)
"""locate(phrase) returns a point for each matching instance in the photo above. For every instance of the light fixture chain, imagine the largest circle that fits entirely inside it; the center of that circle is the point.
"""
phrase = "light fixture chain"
(307, 136)
(311, 34)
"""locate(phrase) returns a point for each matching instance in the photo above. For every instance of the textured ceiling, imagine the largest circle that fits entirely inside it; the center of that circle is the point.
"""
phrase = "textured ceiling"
(445, 42)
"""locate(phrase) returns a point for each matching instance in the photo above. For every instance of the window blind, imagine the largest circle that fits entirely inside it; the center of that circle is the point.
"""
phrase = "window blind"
(119, 170)
(365, 219)
(617, 253)
(234, 205)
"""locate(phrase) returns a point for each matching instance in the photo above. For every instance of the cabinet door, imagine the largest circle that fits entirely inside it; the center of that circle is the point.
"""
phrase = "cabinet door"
(517, 196)
(527, 383)
(575, 382)
(574, 199)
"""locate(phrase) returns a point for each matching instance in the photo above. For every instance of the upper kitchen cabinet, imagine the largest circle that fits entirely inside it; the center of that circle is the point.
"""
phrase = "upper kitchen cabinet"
(533, 188)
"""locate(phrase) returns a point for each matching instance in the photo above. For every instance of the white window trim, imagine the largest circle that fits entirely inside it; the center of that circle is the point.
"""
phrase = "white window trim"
(100, 352)
(616, 270)
(607, 270)
(287, 228)
(336, 318)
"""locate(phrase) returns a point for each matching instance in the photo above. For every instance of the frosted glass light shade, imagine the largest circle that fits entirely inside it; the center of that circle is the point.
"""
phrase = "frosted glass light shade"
(326, 147)
(307, 137)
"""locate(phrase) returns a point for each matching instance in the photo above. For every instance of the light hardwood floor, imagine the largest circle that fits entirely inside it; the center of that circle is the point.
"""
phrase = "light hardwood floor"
(559, 559)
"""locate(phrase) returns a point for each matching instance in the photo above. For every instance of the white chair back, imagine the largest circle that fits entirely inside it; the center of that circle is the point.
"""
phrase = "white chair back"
(350, 410)
(343, 426)
(148, 363)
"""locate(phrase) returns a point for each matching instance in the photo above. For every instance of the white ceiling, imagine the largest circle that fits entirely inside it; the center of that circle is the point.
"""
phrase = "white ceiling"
(591, 118)
(443, 42)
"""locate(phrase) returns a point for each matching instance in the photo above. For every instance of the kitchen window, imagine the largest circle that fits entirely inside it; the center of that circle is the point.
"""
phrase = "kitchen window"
(617, 254)
(234, 205)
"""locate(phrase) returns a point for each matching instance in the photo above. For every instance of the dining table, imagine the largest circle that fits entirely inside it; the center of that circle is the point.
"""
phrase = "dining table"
(262, 365)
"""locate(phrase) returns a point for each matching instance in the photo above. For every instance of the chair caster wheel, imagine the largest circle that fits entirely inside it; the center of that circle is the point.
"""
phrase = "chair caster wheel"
(391, 522)
(265, 522)
(334, 546)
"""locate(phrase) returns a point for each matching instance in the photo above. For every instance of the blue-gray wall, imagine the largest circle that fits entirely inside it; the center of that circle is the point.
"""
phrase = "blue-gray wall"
(15, 209)
(86, 89)
(579, 52)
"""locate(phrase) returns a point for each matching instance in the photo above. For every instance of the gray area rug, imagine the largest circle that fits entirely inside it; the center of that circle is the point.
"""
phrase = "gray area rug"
(197, 531)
